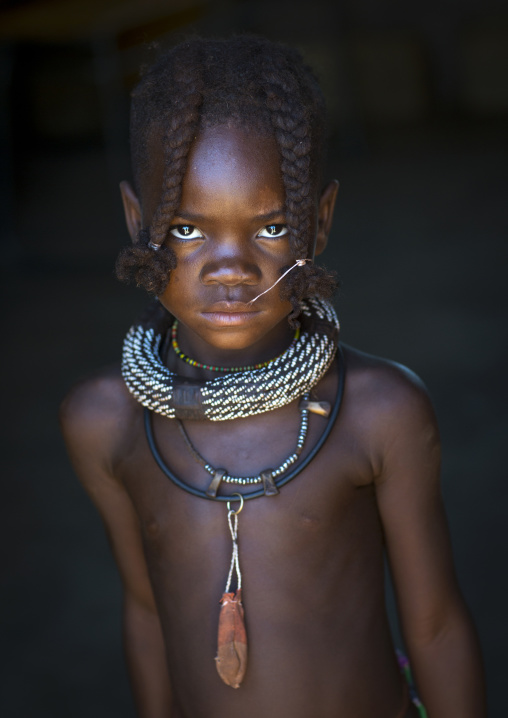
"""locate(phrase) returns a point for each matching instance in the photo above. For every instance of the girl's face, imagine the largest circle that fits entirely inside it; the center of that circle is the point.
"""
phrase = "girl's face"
(230, 241)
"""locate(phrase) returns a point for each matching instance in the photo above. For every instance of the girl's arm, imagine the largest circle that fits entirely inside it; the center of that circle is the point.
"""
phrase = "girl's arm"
(439, 634)
(146, 660)
(91, 426)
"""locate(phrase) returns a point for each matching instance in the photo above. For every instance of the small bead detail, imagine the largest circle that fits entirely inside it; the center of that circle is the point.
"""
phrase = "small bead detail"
(247, 480)
(225, 369)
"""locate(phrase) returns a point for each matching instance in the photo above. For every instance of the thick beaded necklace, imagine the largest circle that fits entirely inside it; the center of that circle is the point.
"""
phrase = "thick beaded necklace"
(192, 362)
(237, 394)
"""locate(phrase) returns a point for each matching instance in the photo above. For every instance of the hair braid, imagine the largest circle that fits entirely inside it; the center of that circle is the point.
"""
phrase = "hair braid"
(293, 133)
(149, 261)
(181, 131)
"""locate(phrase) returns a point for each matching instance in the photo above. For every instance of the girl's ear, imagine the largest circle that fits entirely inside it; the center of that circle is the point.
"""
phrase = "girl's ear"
(132, 209)
(325, 214)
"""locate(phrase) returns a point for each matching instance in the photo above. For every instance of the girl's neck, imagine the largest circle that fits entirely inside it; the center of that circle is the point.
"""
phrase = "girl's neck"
(198, 367)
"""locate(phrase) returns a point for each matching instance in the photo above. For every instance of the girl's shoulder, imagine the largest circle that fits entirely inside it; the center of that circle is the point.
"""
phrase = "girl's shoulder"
(386, 398)
(99, 414)
(377, 374)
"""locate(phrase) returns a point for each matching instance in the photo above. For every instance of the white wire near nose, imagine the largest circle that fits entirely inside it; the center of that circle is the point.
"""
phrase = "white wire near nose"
(298, 263)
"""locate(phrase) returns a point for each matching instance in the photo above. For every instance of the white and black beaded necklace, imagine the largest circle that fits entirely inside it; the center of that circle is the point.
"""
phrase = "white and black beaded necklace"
(233, 396)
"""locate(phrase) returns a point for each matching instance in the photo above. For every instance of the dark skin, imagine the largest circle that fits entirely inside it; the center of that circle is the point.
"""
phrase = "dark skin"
(312, 557)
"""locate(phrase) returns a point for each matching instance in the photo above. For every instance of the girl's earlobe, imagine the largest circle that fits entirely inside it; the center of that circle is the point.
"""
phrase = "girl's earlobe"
(132, 210)
(325, 214)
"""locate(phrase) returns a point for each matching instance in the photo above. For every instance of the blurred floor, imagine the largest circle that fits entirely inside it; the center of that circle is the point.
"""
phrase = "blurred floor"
(420, 244)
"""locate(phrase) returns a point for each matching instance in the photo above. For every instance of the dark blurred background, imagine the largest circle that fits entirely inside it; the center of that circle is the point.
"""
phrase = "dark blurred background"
(418, 100)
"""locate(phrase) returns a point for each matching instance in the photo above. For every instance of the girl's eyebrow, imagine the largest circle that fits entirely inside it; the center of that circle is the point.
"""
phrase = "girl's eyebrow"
(270, 215)
(192, 217)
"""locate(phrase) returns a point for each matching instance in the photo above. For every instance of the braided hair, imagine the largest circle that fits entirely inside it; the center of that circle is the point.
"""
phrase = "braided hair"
(245, 81)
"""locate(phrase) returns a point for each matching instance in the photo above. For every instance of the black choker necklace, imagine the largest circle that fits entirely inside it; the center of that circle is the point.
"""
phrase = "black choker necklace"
(279, 482)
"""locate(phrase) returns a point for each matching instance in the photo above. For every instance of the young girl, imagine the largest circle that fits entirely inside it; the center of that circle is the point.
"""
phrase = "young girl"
(250, 471)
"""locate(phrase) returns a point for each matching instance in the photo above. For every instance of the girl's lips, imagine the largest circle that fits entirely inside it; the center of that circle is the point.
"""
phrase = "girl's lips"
(229, 318)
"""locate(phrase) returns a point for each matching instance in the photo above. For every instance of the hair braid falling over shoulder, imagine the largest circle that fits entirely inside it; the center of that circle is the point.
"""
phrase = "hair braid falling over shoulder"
(249, 82)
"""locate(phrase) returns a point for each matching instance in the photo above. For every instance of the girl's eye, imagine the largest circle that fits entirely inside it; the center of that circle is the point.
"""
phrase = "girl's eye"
(273, 230)
(185, 231)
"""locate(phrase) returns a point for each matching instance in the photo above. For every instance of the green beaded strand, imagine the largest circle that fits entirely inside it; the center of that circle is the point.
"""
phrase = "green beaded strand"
(179, 353)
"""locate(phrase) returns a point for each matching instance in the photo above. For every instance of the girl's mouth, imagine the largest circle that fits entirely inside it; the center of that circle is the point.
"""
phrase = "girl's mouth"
(229, 318)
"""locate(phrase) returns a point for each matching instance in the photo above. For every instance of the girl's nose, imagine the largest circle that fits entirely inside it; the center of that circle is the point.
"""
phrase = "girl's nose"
(230, 271)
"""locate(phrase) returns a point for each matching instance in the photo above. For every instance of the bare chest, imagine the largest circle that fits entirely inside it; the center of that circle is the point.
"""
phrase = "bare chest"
(327, 505)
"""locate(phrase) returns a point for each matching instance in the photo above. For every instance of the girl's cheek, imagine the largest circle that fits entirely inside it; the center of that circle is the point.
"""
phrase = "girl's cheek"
(186, 250)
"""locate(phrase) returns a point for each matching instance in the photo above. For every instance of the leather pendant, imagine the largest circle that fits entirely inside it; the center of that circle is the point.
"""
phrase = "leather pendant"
(231, 660)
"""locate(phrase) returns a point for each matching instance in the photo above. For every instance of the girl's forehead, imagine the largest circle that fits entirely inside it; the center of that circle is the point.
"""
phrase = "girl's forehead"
(233, 149)
(226, 164)
(234, 164)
